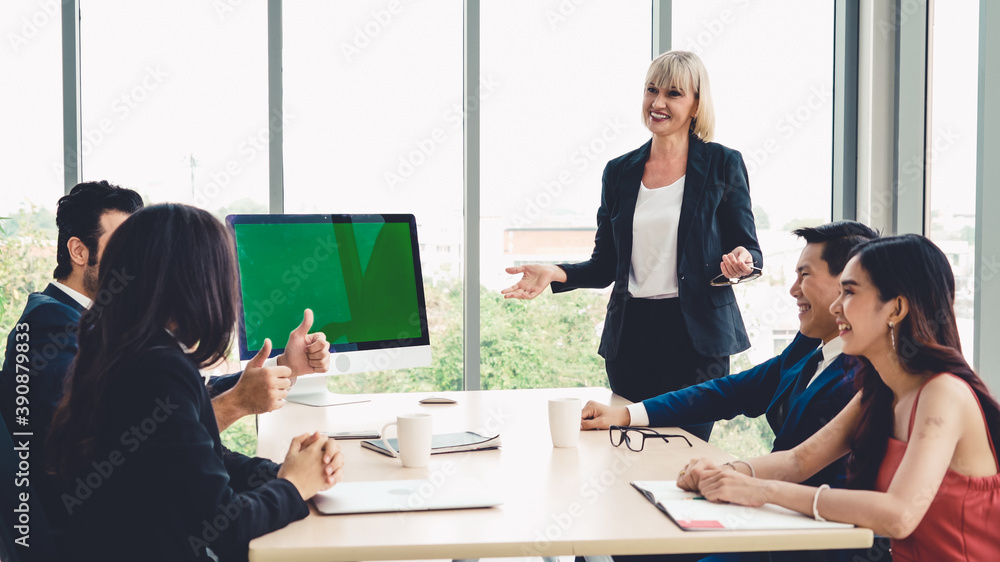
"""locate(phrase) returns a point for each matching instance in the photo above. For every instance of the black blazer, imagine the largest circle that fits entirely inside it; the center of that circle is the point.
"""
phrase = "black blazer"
(161, 486)
(715, 218)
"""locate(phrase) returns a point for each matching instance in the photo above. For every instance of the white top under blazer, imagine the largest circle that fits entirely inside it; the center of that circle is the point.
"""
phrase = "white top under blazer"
(653, 274)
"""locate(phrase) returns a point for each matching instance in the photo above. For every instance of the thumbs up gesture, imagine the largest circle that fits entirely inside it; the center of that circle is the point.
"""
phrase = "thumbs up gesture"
(305, 353)
(260, 389)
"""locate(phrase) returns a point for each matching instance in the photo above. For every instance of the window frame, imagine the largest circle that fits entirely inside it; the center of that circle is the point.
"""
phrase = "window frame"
(900, 80)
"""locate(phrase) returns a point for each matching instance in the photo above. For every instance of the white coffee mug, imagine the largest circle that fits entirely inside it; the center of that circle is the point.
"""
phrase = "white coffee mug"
(414, 434)
(564, 421)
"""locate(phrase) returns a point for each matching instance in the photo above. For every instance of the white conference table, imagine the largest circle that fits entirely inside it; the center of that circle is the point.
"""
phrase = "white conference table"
(574, 501)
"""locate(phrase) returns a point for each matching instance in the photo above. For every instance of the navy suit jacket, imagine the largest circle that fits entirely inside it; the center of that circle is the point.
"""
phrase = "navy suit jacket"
(763, 390)
(715, 218)
(50, 319)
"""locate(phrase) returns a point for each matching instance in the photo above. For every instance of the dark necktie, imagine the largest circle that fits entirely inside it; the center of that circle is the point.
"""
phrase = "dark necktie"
(808, 372)
(806, 375)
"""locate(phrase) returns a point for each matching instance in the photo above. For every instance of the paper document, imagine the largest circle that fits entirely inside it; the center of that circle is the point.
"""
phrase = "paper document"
(693, 512)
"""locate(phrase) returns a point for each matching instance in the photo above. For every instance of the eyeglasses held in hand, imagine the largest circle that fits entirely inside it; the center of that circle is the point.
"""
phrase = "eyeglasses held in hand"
(635, 437)
(721, 280)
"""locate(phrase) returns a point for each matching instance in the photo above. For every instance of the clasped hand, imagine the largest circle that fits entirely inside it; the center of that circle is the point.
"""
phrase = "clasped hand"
(722, 483)
(314, 463)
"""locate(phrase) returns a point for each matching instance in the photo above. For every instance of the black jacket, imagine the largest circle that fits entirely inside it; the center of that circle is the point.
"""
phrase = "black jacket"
(715, 218)
(161, 486)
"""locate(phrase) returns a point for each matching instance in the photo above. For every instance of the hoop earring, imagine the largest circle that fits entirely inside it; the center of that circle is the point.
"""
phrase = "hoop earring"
(892, 335)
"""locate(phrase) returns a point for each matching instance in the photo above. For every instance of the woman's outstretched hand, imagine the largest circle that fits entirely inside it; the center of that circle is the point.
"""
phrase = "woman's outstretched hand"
(737, 263)
(535, 278)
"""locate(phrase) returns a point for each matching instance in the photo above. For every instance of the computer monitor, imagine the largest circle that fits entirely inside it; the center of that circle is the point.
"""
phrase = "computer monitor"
(360, 275)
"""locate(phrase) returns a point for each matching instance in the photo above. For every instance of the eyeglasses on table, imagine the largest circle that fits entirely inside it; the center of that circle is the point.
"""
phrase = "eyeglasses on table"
(635, 437)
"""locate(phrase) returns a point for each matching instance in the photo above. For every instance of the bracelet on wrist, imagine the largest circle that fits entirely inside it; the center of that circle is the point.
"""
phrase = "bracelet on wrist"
(816, 514)
(732, 464)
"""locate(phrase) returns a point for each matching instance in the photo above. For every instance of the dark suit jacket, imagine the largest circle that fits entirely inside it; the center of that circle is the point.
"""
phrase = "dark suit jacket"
(174, 490)
(764, 389)
(715, 218)
(51, 319)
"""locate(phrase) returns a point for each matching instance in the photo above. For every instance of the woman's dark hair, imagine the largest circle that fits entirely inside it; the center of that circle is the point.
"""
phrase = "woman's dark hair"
(166, 264)
(926, 341)
(79, 214)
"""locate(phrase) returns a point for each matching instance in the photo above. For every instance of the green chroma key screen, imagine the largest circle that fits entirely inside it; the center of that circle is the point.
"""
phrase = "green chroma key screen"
(358, 273)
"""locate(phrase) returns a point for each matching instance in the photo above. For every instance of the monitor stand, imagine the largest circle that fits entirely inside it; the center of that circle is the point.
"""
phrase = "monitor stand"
(311, 391)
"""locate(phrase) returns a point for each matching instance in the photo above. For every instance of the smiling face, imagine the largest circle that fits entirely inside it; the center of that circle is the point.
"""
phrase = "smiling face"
(814, 290)
(862, 317)
(668, 110)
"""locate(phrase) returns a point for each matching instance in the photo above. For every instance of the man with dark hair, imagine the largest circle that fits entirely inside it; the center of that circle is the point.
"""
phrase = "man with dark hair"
(43, 344)
(86, 219)
(46, 332)
(799, 391)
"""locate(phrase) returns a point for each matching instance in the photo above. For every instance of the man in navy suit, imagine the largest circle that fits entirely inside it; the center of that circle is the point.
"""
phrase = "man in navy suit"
(800, 390)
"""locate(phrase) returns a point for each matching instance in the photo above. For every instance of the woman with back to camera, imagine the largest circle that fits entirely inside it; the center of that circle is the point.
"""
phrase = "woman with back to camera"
(922, 433)
(135, 439)
(670, 211)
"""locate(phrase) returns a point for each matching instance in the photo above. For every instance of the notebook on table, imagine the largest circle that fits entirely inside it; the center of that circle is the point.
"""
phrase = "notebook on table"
(386, 496)
(693, 512)
(443, 443)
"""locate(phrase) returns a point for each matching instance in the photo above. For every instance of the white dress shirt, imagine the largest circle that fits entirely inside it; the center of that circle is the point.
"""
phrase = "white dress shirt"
(79, 297)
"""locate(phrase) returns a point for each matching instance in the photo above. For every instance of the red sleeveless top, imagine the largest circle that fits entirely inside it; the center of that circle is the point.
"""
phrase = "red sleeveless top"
(963, 520)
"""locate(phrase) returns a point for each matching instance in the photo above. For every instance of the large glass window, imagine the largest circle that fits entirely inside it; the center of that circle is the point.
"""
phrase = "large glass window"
(951, 148)
(174, 100)
(564, 97)
(174, 106)
(771, 68)
(373, 105)
(30, 152)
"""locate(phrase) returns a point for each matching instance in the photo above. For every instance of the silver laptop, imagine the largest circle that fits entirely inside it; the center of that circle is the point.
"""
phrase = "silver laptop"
(382, 496)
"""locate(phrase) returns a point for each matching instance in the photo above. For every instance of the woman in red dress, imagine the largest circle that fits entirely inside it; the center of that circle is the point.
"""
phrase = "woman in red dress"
(921, 433)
